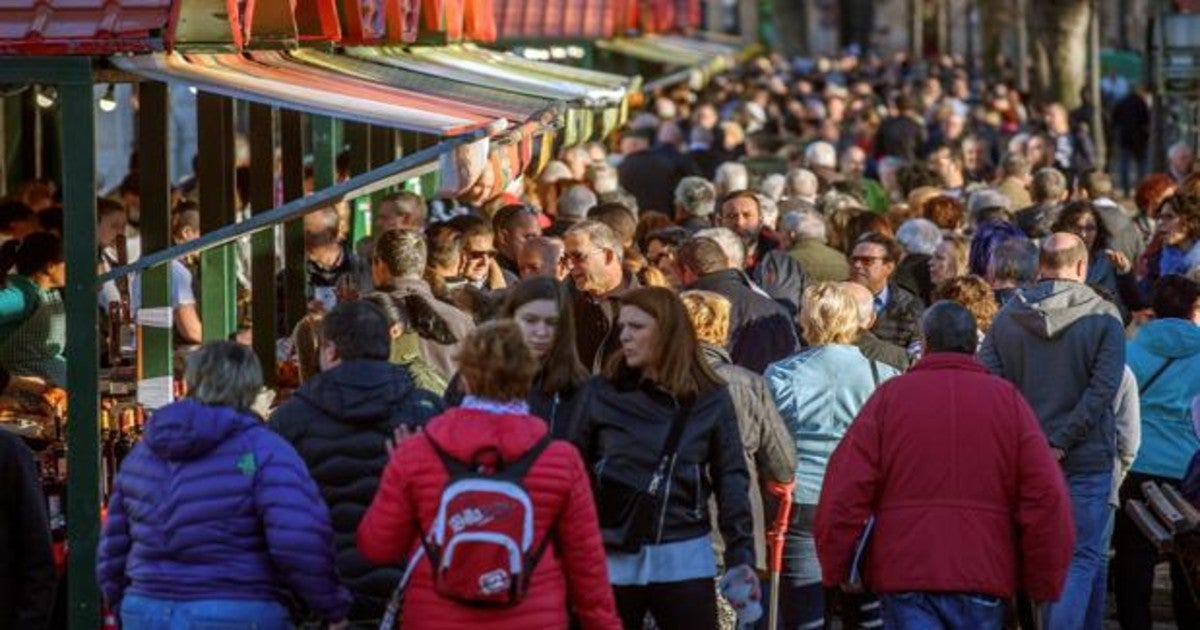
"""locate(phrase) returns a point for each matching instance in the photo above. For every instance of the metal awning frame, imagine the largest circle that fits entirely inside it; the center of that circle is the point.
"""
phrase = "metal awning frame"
(405, 168)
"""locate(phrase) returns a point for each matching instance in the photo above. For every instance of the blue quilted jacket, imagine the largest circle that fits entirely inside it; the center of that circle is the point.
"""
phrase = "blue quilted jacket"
(213, 505)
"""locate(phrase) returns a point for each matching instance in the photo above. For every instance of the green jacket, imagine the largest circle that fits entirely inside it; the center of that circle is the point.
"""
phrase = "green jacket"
(406, 351)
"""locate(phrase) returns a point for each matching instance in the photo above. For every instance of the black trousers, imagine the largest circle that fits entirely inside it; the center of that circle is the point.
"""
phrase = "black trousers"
(687, 605)
(1133, 568)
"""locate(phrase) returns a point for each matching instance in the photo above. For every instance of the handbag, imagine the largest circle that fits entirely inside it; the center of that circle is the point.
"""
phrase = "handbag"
(627, 513)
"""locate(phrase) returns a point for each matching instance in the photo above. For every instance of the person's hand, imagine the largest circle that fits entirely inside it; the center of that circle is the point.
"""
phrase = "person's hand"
(316, 307)
(496, 275)
(1120, 261)
(1059, 454)
(741, 587)
(399, 435)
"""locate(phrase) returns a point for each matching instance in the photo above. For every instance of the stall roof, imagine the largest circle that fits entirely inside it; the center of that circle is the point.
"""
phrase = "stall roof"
(483, 100)
(273, 79)
(504, 72)
(700, 58)
(82, 26)
(553, 19)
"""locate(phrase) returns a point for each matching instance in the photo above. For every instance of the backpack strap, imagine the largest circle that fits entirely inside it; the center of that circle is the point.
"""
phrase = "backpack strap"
(874, 371)
(520, 467)
(1154, 377)
(452, 465)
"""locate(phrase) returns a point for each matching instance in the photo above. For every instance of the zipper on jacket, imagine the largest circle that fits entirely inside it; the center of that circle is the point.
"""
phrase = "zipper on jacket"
(666, 500)
(554, 413)
(696, 511)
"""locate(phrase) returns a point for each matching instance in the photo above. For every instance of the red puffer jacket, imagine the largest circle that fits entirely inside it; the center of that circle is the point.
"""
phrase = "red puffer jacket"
(966, 494)
(572, 574)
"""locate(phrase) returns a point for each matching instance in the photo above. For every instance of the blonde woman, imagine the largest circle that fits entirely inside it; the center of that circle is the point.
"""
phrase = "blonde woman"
(818, 393)
(950, 259)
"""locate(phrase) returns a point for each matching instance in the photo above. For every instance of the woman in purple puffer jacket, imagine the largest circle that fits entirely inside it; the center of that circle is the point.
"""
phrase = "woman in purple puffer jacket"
(214, 518)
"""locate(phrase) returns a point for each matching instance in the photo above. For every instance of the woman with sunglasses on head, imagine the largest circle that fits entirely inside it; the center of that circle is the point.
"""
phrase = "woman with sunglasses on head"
(659, 431)
(1083, 220)
(541, 308)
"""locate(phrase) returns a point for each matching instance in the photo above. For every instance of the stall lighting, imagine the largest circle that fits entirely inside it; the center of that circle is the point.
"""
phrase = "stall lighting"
(576, 52)
(558, 52)
(46, 97)
(108, 102)
(536, 54)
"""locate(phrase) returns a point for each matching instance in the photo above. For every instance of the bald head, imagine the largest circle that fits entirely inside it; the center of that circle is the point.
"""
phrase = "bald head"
(864, 301)
(1063, 257)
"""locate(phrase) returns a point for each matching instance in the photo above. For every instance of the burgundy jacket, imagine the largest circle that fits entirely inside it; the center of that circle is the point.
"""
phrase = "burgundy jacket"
(965, 491)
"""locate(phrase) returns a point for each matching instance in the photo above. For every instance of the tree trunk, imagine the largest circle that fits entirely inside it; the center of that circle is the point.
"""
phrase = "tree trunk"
(996, 17)
(1060, 45)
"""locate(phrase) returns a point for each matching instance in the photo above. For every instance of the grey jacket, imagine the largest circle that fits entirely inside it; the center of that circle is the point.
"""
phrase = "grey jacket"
(766, 443)
(1063, 346)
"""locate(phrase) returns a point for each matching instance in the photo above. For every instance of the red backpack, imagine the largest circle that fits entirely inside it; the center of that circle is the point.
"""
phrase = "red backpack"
(481, 541)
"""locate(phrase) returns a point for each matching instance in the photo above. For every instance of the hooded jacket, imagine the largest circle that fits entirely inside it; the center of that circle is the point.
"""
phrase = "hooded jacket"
(572, 573)
(1168, 439)
(213, 505)
(338, 422)
(967, 499)
(1063, 346)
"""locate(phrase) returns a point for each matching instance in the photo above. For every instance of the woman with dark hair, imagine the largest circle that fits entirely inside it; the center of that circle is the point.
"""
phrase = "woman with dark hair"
(493, 430)
(33, 326)
(214, 520)
(659, 431)
(1083, 220)
(541, 308)
(1165, 359)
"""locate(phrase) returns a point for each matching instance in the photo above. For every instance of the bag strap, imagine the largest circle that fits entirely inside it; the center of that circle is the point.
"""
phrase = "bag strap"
(874, 372)
(519, 468)
(670, 447)
(1154, 377)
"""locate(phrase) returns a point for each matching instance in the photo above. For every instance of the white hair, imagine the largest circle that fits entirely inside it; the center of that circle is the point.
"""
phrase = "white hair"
(696, 196)
(919, 236)
(604, 178)
(731, 177)
(576, 201)
(804, 225)
(772, 186)
(1180, 148)
(802, 183)
(768, 211)
(728, 241)
(821, 154)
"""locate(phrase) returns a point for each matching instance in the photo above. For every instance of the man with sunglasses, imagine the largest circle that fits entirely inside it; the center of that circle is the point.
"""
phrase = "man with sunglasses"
(593, 254)
(897, 311)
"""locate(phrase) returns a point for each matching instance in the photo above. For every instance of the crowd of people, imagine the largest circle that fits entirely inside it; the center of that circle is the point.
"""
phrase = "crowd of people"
(899, 326)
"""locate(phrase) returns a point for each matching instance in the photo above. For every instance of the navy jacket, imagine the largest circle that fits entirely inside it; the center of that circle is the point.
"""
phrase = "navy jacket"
(213, 505)
(760, 329)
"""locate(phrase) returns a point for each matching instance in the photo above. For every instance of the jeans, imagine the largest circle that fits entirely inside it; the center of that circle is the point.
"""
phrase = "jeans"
(1082, 603)
(804, 604)
(925, 611)
(148, 613)
(1134, 568)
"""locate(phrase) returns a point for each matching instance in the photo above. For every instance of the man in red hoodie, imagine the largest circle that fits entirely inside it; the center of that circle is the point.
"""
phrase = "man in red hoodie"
(969, 504)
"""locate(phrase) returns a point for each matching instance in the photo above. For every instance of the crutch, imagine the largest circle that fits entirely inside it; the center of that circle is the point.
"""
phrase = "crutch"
(775, 537)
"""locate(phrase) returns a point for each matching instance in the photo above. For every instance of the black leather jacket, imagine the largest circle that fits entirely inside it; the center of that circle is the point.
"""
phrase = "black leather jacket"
(620, 430)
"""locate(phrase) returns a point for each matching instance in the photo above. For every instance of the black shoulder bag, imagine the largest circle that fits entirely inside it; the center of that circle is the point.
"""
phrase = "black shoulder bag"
(627, 513)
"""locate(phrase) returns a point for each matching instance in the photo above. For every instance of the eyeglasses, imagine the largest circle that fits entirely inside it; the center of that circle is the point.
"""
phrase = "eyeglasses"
(1087, 228)
(865, 261)
(577, 258)
(480, 254)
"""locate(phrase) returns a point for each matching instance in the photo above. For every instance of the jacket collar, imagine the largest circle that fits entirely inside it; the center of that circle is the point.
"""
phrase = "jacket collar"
(949, 361)
(715, 355)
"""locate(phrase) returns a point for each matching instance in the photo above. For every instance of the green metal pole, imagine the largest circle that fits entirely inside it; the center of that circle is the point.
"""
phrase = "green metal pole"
(325, 150)
(77, 115)
(295, 282)
(358, 138)
(262, 264)
(218, 285)
(154, 347)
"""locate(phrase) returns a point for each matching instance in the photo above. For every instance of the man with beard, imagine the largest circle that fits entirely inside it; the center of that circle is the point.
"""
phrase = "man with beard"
(777, 273)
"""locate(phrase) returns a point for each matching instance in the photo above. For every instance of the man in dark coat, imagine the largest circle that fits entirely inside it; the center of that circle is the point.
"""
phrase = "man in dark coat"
(594, 256)
(340, 422)
(649, 176)
(26, 561)
(760, 330)
(872, 264)
(771, 268)
(900, 135)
